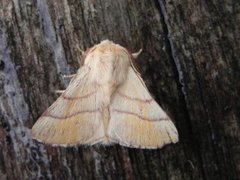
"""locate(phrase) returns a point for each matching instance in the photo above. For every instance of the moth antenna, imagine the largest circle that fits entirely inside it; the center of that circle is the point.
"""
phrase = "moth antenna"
(68, 76)
(136, 54)
(59, 91)
(81, 50)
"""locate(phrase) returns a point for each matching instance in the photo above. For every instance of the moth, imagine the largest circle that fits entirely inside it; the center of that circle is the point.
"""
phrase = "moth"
(106, 103)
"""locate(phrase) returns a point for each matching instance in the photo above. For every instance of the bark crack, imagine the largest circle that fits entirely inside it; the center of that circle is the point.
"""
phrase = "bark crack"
(173, 51)
(178, 67)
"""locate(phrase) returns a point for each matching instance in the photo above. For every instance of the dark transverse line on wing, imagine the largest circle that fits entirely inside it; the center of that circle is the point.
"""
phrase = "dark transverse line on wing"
(119, 93)
(71, 115)
(98, 110)
(134, 99)
(80, 97)
(139, 116)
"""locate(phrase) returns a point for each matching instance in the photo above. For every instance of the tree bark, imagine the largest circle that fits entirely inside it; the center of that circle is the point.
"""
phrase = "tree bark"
(190, 63)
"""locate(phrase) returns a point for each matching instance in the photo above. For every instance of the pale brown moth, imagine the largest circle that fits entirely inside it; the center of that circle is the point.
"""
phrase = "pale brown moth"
(106, 102)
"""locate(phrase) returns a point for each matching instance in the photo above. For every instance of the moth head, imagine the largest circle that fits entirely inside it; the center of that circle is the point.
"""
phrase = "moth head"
(108, 51)
(105, 51)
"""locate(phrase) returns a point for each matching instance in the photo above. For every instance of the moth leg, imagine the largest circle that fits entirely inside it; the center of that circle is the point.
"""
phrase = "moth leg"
(136, 54)
(59, 91)
(68, 76)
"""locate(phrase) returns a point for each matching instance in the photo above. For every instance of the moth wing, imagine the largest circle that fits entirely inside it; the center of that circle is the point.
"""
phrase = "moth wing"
(74, 118)
(136, 119)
